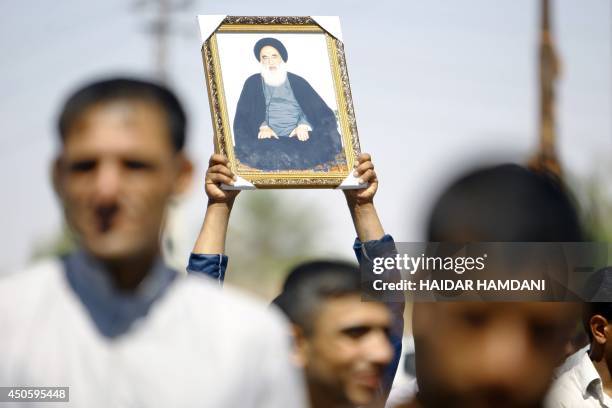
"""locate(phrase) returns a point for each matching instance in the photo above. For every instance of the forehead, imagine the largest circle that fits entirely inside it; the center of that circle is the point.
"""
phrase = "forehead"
(349, 311)
(268, 50)
(120, 126)
(551, 313)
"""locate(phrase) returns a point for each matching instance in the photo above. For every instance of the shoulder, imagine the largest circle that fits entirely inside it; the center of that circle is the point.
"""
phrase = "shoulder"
(23, 292)
(565, 391)
(251, 86)
(33, 279)
(294, 78)
(227, 307)
(572, 361)
(253, 79)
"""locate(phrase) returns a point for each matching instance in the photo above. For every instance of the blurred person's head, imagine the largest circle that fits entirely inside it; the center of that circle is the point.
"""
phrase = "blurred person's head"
(506, 203)
(597, 315)
(121, 161)
(492, 353)
(341, 342)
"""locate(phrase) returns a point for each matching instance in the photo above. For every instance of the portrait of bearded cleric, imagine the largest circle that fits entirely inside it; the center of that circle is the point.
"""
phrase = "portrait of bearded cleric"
(281, 122)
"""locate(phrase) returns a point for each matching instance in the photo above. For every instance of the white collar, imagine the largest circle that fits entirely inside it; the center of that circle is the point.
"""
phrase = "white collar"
(588, 378)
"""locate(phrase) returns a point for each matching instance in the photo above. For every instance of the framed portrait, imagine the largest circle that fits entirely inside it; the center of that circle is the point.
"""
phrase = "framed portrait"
(280, 100)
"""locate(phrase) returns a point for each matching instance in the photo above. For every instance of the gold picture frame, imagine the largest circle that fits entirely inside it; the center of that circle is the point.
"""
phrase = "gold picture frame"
(325, 175)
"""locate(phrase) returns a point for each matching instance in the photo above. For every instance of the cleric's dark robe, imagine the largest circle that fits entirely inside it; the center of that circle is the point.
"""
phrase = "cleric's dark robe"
(285, 152)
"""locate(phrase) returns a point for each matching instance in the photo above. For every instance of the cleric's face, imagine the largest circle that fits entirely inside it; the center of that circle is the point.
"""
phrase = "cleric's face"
(489, 354)
(115, 175)
(270, 58)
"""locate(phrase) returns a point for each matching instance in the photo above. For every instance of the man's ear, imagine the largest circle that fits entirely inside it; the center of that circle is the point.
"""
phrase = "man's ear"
(300, 346)
(599, 329)
(184, 173)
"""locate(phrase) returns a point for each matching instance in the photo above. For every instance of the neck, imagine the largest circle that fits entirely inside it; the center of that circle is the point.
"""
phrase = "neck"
(603, 368)
(128, 273)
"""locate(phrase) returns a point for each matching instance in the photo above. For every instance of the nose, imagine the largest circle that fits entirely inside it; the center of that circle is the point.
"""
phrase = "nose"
(107, 183)
(505, 356)
(379, 349)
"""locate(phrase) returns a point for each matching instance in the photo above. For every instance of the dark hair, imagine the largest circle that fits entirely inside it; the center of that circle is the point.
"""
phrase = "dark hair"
(308, 285)
(598, 296)
(506, 203)
(123, 88)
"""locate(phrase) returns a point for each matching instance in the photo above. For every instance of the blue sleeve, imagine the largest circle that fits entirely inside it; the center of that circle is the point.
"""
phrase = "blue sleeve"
(213, 266)
(365, 252)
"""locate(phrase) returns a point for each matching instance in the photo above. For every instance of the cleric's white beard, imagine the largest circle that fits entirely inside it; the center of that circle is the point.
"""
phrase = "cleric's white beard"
(276, 77)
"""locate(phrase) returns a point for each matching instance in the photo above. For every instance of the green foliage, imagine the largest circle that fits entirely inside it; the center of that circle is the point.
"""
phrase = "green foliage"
(269, 233)
(60, 244)
(598, 209)
(594, 195)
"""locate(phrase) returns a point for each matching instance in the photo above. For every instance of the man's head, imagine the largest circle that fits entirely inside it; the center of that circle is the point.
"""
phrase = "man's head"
(120, 162)
(506, 203)
(272, 55)
(492, 353)
(341, 341)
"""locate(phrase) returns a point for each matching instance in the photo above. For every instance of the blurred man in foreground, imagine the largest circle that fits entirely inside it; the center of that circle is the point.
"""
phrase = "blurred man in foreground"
(493, 354)
(589, 382)
(348, 349)
(110, 320)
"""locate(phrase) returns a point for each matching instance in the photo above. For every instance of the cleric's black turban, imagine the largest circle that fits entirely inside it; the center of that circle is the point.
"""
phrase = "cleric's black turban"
(272, 42)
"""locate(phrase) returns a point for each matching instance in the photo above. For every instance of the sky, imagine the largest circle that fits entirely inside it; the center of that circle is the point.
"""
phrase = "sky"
(437, 86)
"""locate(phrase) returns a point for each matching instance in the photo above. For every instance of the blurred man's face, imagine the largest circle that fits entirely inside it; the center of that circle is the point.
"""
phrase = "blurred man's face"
(347, 352)
(115, 175)
(489, 354)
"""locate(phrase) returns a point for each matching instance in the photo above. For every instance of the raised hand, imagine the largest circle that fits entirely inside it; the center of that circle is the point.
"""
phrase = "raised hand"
(364, 171)
(219, 173)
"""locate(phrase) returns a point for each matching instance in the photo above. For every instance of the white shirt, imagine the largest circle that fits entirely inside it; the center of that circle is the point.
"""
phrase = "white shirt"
(571, 361)
(579, 387)
(197, 346)
(405, 385)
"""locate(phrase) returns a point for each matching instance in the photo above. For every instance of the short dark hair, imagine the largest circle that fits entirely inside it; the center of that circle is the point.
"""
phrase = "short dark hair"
(310, 284)
(505, 203)
(112, 89)
(598, 297)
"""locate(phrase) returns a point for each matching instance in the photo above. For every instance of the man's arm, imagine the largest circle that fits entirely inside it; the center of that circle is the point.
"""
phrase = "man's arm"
(208, 252)
(361, 202)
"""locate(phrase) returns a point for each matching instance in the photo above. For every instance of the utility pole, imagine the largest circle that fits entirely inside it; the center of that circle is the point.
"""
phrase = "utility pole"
(546, 159)
(161, 27)
(160, 31)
